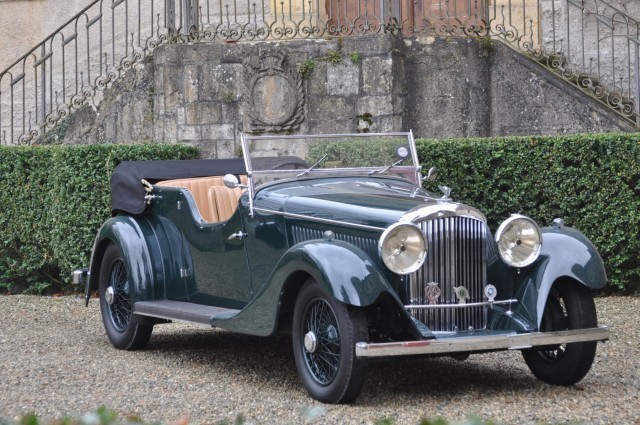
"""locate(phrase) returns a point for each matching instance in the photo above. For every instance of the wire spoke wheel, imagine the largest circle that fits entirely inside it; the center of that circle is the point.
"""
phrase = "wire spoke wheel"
(569, 306)
(325, 332)
(323, 358)
(555, 318)
(120, 308)
(125, 330)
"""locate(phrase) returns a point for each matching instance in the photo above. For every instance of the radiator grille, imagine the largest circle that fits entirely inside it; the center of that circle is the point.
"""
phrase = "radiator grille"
(456, 256)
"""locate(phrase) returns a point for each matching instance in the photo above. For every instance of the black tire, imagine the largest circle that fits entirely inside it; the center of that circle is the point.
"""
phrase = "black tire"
(569, 306)
(122, 326)
(328, 366)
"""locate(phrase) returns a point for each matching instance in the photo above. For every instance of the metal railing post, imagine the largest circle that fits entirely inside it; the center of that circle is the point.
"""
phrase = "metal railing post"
(637, 72)
(170, 15)
(189, 15)
(42, 113)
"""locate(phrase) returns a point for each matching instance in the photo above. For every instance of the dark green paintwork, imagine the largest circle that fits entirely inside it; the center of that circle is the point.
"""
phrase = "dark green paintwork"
(251, 274)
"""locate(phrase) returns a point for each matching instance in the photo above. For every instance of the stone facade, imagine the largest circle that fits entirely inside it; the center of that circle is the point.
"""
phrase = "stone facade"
(25, 23)
(206, 94)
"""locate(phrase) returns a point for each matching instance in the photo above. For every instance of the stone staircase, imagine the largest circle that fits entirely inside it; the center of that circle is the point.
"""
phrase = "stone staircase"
(588, 43)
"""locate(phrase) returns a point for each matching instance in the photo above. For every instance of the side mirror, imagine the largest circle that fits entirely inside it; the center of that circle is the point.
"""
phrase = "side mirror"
(431, 176)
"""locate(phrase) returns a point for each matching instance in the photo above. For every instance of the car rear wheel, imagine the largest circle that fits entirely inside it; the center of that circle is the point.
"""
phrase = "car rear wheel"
(122, 326)
(325, 332)
(569, 306)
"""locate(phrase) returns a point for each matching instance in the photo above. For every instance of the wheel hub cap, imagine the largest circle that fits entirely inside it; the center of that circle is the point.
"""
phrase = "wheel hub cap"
(109, 295)
(310, 342)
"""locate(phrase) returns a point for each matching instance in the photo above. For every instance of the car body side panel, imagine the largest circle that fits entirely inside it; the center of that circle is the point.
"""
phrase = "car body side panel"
(344, 270)
(214, 267)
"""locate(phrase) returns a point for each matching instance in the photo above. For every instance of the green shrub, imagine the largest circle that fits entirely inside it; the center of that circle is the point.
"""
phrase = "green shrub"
(591, 181)
(52, 202)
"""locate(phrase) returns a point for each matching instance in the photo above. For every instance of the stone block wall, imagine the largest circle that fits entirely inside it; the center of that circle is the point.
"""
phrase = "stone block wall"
(205, 94)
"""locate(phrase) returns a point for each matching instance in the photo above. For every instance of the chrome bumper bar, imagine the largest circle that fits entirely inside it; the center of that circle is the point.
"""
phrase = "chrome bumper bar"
(80, 276)
(509, 341)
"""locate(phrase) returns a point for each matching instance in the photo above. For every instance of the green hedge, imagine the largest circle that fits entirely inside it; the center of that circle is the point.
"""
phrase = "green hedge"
(53, 199)
(591, 181)
(52, 202)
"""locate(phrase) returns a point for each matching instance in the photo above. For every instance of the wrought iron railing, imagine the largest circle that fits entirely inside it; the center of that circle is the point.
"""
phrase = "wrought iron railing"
(589, 43)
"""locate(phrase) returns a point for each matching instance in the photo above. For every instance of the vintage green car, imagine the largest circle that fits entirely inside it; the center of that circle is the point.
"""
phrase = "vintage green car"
(333, 239)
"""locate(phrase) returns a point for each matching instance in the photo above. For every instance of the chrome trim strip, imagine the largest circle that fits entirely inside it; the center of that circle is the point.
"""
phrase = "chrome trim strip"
(441, 210)
(80, 276)
(324, 136)
(480, 304)
(247, 165)
(510, 341)
(319, 220)
(358, 171)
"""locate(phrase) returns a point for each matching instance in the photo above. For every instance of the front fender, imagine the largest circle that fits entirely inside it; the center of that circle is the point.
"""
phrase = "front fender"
(566, 253)
(344, 270)
(134, 236)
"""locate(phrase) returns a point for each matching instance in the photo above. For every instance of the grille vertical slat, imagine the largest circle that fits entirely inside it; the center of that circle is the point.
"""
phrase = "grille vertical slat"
(456, 257)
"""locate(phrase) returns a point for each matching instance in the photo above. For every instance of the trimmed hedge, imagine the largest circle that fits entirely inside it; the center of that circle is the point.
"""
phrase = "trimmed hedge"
(53, 199)
(591, 181)
(52, 202)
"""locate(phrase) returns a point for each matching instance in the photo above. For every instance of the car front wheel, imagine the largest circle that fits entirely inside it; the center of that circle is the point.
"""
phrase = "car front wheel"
(569, 306)
(325, 332)
(123, 327)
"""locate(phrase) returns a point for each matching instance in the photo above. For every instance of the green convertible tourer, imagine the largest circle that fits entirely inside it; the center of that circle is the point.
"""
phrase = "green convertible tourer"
(332, 239)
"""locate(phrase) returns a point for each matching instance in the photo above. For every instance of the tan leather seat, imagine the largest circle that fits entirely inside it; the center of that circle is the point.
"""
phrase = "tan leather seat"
(206, 201)
(199, 188)
(224, 201)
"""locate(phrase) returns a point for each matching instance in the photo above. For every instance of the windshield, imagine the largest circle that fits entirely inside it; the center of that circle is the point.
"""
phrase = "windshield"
(270, 158)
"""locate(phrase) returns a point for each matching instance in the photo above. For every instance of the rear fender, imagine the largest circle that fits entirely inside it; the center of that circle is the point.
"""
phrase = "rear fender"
(136, 239)
(566, 253)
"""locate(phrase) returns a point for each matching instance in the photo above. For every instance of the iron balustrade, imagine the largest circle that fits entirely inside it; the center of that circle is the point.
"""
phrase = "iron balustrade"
(589, 43)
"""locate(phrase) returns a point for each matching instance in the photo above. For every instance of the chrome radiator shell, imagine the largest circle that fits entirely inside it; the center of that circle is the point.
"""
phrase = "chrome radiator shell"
(457, 252)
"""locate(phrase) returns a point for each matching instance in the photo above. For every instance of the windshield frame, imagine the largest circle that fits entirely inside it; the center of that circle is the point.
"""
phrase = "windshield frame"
(411, 172)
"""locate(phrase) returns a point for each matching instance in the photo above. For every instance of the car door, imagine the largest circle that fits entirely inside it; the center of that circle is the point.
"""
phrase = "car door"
(218, 273)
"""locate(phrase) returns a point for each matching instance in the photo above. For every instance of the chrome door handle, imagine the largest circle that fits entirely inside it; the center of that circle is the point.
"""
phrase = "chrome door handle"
(238, 235)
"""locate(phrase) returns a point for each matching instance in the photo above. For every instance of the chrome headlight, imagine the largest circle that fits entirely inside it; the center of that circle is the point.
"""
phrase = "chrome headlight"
(402, 248)
(519, 241)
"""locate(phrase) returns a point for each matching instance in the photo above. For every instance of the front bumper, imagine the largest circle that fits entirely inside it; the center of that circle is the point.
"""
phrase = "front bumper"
(492, 342)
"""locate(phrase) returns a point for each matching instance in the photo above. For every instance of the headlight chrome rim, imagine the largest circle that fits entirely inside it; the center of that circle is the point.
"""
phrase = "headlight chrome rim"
(402, 253)
(516, 250)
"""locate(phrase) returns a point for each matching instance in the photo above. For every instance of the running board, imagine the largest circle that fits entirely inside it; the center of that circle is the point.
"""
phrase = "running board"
(182, 311)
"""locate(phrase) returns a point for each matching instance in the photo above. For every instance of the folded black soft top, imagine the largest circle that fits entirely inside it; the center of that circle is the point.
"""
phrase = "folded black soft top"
(127, 191)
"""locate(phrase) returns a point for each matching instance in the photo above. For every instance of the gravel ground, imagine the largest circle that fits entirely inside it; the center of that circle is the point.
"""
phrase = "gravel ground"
(55, 360)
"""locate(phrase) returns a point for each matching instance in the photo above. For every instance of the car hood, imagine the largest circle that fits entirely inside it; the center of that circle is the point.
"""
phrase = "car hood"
(376, 202)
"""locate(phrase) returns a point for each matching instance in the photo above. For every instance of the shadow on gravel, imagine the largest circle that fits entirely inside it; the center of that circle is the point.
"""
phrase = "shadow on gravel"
(269, 361)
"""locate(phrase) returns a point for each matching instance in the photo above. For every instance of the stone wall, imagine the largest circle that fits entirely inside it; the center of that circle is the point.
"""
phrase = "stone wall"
(205, 94)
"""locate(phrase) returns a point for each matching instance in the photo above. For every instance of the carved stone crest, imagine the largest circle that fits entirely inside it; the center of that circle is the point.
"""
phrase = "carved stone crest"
(274, 93)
